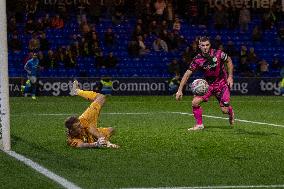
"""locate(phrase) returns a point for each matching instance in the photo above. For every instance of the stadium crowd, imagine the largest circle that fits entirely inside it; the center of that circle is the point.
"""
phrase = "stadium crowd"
(64, 33)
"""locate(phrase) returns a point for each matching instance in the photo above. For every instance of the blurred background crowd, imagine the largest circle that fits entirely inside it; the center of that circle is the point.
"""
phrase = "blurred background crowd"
(142, 38)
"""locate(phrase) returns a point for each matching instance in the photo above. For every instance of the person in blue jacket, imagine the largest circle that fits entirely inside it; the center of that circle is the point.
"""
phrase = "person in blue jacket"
(32, 69)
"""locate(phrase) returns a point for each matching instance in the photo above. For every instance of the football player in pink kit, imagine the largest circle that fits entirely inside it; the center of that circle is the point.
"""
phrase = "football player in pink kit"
(217, 67)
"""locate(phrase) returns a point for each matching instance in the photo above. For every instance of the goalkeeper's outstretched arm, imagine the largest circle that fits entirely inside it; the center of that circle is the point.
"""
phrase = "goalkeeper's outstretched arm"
(184, 79)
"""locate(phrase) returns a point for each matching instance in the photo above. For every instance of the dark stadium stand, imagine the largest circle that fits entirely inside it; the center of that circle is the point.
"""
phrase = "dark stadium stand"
(153, 64)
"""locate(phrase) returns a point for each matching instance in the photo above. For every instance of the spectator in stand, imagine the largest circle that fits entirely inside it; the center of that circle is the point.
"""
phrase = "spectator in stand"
(51, 59)
(109, 38)
(221, 47)
(243, 52)
(46, 21)
(60, 54)
(164, 35)
(142, 25)
(94, 10)
(117, 16)
(231, 49)
(186, 54)
(110, 61)
(137, 32)
(94, 37)
(44, 43)
(164, 26)
(12, 25)
(69, 59)
(142, 47)
(160, 45)
(217, 42)
(94, 45)
(85, 28)
(233, 15)
(31, 8)
(42, 60)
(84, 46)
(160, 6)
(244, 68)
(268, 19)
(244, 19)
(172, 42)
(192, 12)
(170, 12)
(220, 17)
(34, 43)
(276, 63)
(263, 68)
(252, 57)
(133, 48)
(30, 26)
(75, 39)
(15, 44)
(57, 22)
(75, 48)
(95, 49)
(174, 67)
(194, 50)
(184, 64)
(154, 28)
(147, 12)
(99, 60)
(39, 25)
(177, 25)
(256, 34)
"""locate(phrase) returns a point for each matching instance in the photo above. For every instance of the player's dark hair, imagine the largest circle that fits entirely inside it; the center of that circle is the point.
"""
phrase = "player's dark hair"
(203, 39)
(70, 121)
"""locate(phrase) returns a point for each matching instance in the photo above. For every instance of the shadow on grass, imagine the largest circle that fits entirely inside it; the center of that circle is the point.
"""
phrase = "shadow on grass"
(39, 152)
(215, 127)
(238, 131)
(255, 133)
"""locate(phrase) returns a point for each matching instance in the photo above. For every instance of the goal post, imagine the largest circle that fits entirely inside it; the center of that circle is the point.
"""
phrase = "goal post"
(5, 141)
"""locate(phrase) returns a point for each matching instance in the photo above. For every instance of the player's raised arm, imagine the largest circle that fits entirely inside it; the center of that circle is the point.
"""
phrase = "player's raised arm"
(230, 69)
(184, 79)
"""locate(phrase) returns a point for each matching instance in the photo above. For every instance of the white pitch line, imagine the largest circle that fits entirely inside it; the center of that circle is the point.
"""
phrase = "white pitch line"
(216, 187)
(152, 113)
(58, 179)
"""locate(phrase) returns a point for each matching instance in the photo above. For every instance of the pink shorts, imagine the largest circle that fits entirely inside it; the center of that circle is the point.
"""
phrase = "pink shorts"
(221, 91)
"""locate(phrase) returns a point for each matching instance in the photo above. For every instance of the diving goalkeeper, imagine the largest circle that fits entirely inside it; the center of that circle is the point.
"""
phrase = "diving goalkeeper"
(82, 131)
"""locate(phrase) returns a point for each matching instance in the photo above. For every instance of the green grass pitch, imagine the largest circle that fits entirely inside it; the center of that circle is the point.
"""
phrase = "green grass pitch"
(156, 149)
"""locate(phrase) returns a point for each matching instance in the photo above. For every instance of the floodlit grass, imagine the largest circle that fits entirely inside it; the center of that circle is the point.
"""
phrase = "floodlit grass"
(156, 149)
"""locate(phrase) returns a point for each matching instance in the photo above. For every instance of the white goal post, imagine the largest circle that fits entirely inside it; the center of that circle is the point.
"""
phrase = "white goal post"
(5, 141)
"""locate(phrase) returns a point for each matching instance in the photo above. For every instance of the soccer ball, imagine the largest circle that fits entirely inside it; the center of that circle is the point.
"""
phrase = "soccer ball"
(199, 87)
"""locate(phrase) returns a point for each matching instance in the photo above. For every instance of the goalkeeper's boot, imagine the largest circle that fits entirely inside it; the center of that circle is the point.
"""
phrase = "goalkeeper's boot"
(23, 88)
(231, 116)
(196, 127)
(73, 90)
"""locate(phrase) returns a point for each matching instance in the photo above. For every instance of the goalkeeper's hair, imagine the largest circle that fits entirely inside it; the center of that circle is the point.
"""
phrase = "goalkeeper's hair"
(70, 121)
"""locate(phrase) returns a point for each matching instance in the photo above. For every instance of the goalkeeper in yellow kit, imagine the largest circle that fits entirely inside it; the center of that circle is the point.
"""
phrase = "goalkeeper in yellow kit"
(82, 131)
